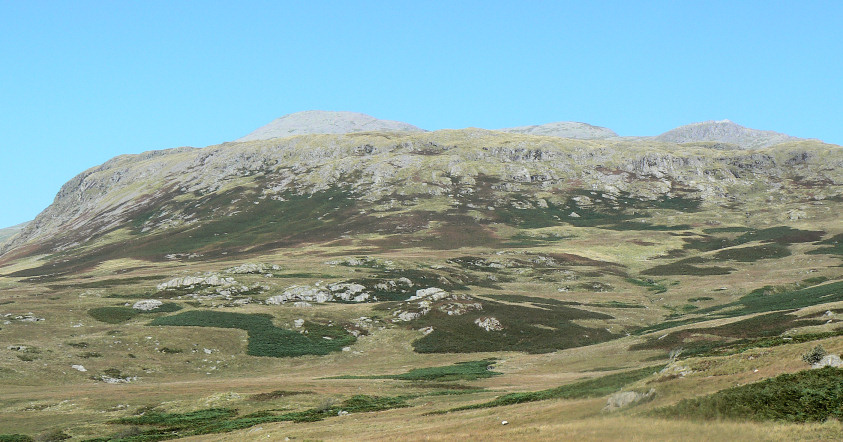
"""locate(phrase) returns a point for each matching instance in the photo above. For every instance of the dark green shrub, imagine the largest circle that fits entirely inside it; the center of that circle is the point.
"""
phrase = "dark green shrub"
(467, 371)
(596, 387)
(113, 315)
(815, 355)
(810, 395)
(265, 339)
(15, 438)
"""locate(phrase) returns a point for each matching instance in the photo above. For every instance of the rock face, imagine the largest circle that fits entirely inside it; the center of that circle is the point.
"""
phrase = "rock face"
(565, 129)
(624, 399)
(725, 131)
(325, 122)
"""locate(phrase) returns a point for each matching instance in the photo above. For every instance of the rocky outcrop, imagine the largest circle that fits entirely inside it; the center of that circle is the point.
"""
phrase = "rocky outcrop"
(489, 323)
(338, 292)
(252, 268)
(434, 298)
(194, 281)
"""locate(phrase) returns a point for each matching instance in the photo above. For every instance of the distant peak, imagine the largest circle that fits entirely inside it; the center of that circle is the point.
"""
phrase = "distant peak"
(325, 122)
(565, 129)
(724, 131)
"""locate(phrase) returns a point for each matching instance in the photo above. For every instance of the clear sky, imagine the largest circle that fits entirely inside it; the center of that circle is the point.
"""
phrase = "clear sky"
(83, 81)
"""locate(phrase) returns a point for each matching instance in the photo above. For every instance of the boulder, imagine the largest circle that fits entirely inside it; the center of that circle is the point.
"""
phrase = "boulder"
(829, 361)
(147, 305)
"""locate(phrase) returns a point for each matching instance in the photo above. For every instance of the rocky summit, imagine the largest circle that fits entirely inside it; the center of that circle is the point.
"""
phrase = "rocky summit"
(725, 131)
(332, 264)
(325, 122)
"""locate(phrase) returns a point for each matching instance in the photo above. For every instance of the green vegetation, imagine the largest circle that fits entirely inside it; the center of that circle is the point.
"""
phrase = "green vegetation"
(276, 394)
(810, 395)
(835, 246)
(15, 438)
(738, 332)
(653, 286)
(815, 355)
(113, 315)
(528, 329)
(594, 209)
(686, 267)
(461, 371)
(265, 339)
(222, 420)
(781, 235)
(596, 387)
(762, 300)
(117, 315)
(754, 253)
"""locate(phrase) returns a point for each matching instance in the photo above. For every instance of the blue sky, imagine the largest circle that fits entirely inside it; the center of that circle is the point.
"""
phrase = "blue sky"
(83, 81)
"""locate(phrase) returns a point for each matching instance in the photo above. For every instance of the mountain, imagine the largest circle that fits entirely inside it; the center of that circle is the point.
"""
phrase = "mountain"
(159, 194)
(258, 288)
(325, 122)
(564, 129)
(725, 131)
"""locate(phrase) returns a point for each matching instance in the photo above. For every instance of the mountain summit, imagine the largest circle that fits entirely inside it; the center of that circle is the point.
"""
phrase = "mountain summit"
(325, 122)
(725, 131)
(565, 129)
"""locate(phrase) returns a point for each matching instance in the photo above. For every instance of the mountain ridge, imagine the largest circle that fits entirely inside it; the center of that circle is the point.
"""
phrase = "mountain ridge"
(723, 132)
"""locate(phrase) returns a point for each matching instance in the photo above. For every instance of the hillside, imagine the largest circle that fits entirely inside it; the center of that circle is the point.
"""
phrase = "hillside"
(9, 232)
(402, 284)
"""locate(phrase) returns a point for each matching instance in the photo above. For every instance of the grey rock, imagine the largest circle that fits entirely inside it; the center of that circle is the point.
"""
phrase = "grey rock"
(624, 399)
(147, 305)
(829, 361)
